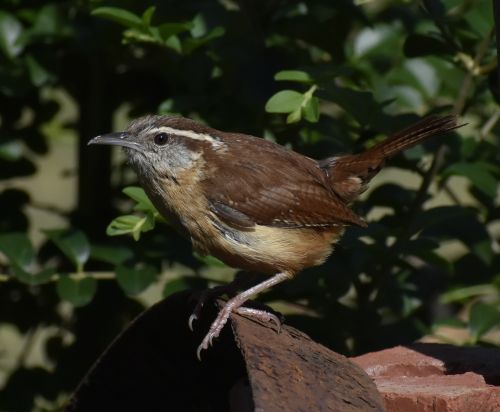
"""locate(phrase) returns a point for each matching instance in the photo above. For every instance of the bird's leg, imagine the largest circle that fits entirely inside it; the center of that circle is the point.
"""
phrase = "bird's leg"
(230, 289)
(233, 304)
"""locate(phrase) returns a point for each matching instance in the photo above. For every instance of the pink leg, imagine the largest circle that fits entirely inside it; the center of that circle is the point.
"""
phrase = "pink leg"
(233, 304)
(212, 293)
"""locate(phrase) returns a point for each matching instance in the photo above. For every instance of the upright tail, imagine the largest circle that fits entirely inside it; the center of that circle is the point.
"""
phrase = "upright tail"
(349, 174)
(412, 135)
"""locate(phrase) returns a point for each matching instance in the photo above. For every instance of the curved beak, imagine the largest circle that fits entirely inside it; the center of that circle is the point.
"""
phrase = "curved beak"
(116, 139)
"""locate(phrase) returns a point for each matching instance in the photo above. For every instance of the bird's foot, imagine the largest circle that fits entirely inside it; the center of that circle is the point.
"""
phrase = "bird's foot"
(208, 295)
(217, 326)
(262, 315)
(230, 289)
(234, 305)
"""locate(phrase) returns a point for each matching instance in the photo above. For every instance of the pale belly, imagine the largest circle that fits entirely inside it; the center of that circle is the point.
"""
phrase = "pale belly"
(263, 249)
(270, 249)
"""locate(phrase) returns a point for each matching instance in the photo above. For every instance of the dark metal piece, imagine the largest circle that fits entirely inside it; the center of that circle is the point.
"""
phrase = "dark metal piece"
(152, 366)
(290, 372)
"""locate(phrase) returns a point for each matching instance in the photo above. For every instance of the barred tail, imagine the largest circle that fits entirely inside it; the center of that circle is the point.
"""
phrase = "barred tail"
(416, 133)
(349, 174)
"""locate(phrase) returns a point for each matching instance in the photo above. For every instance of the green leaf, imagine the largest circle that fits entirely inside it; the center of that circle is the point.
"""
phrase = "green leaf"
(479, 173)
(450, 322)
(359, 104)
(183, 283)
(11, 150)
(191, 44)
(120, 16)
(311, 109)
(435, 259)
(480, 18)
(38, 74)
(73, 243)
(147, 15)
(135, 280)
(293, 76)
(482, 318)
(295, 116)
(174, 286)
(483, 250)
(143, 203)
(18, 249)
(10, 32)
(79, 292)
(123, 225)
(168, 30)
(462, 294)
(111, 254)
(33, 279)
(285, 101)
(209, 260)
(132, 224)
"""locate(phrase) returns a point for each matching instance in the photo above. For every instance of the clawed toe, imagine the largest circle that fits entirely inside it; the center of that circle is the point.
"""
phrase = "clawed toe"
(192, 318)
(261, 315)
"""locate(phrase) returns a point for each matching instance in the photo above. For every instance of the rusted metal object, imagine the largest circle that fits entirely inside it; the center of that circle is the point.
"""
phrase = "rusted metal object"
(152, 366)
(290, 372)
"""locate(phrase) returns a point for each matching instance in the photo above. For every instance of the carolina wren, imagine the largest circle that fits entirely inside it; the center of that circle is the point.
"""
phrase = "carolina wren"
(250, 202)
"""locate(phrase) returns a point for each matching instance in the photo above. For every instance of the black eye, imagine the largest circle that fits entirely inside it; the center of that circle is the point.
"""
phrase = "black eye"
(161, 139)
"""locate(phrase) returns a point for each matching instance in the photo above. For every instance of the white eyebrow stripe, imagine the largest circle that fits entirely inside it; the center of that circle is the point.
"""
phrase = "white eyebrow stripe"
(188, 133)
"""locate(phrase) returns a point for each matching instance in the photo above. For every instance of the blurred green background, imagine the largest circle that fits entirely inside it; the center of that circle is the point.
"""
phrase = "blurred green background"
(81, 249)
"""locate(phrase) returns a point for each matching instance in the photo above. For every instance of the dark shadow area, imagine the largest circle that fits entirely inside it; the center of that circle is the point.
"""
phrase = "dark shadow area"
(152, 366)
(462, 359)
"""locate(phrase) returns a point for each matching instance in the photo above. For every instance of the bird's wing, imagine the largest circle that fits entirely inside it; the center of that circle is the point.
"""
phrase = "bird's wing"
(273, 187)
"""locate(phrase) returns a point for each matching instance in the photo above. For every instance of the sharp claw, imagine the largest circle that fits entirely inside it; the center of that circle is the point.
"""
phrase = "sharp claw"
(192, 318)
(198, 352)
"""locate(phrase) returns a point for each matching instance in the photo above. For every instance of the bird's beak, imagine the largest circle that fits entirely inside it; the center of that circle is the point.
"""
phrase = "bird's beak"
(116, 139)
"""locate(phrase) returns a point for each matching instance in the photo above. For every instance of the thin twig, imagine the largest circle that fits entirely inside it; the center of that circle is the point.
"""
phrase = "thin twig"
(75, 276)
(490, 123)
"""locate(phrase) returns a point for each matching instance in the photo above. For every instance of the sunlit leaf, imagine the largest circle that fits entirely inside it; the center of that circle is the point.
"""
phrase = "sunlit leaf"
(121, 16)
(285, 101)
(311, 109)
(293, 76)
(143, 202)
(131, 224)
(468, 292)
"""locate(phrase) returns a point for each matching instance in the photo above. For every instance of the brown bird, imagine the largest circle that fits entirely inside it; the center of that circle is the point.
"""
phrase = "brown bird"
(250, 202)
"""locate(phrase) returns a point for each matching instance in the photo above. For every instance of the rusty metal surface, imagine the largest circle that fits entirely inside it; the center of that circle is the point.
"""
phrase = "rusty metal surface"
(290, 372)
(152, 366)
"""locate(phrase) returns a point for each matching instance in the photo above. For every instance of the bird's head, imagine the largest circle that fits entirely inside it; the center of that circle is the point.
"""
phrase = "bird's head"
(164, 146)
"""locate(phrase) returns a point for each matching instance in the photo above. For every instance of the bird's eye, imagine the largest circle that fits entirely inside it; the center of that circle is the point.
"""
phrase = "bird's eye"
(161, 139)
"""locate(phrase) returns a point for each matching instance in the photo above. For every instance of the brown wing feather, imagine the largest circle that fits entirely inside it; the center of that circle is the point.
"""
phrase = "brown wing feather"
(273, 187)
